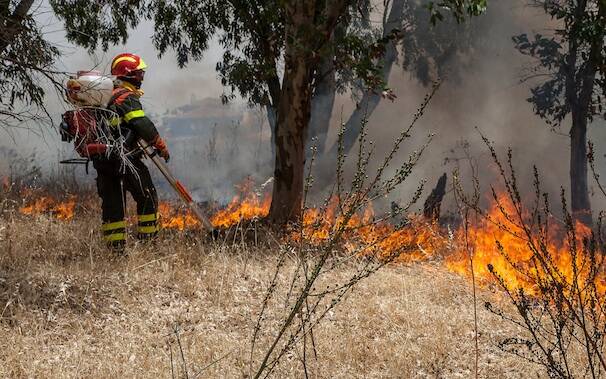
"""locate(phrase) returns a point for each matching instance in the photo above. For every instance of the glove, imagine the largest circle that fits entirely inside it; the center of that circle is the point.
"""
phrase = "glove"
(160, 145)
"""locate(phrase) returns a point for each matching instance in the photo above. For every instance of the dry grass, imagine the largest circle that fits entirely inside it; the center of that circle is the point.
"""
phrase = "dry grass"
(69, 310)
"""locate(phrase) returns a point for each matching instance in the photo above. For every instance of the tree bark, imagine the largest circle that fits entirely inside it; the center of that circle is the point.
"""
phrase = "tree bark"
(294, 111)
(579, 93)
(306, 35)
(579, 192)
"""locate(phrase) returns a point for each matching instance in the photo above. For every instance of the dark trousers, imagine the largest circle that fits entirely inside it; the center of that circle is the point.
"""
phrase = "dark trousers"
(113, 181)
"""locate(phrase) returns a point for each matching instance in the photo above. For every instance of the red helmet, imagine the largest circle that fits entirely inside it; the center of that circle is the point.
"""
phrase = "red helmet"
(128, 65)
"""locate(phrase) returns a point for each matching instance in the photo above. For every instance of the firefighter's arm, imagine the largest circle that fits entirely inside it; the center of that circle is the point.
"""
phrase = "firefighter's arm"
(136, 120)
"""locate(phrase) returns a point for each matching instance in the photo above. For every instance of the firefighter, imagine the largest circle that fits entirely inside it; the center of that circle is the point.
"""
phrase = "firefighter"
(114, 178)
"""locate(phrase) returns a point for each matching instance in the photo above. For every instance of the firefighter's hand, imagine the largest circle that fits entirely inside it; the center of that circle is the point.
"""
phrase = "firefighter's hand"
(162, 149)
(164, 154)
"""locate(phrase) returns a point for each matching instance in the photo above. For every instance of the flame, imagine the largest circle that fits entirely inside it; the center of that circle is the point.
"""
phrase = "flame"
(171, 218)
(416, 240)
(247, 205)
(46, 205)
(516, 254)
(365, 236)
(420, 240)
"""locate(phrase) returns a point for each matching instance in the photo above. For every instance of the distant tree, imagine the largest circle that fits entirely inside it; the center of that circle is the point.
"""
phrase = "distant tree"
(393, 27)
(26, 59)
(572, 61)
(273, 52)
(426, 44)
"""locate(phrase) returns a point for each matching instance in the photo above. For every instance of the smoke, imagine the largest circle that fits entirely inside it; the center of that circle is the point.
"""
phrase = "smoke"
(216, 147)
(483, 95)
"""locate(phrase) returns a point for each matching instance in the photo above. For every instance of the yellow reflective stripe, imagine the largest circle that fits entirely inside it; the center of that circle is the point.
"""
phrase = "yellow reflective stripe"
(130, 59)
(129, 87)
(115, 121)
(115, 237)
(148, 229)
(142, 65)
(148, 217)
(113, 226)
(134, 114)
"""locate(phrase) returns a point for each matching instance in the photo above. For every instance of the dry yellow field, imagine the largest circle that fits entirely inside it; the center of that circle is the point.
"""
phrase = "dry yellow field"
(70, 310)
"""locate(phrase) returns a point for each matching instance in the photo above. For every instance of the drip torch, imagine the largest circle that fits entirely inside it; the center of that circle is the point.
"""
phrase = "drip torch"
(152, 154)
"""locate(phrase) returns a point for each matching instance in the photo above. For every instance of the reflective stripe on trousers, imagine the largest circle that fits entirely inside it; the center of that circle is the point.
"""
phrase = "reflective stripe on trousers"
(148, 225)
(114, 231)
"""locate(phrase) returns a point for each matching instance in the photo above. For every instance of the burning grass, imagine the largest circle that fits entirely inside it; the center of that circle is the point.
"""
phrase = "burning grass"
(511, 257)
(377, 238)
(68, 310)
(63, 210)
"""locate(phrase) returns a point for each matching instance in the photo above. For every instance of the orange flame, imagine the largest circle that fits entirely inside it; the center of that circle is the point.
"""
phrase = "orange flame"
(417, 240)
(364, 235)
(245, 206)
(170, 218)
(516, 256)
(46, 205)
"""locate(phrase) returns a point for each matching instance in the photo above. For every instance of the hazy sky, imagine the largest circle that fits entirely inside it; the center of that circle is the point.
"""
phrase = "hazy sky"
(166, 86)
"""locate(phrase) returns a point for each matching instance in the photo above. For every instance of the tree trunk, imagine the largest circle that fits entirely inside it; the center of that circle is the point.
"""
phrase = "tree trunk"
(371, 99)
(581, 208)
(305, 37)
(323, 102)
(324, 95)
(291, 128)
(294, 111)
(579, 93)
(433, 203)
(353, 127)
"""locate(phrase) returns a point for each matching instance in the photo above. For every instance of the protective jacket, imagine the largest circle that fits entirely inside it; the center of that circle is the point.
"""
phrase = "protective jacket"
(114, 178)
(129, 115)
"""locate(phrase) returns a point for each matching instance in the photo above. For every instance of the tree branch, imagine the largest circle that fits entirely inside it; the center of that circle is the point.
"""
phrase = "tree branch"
(14, 23)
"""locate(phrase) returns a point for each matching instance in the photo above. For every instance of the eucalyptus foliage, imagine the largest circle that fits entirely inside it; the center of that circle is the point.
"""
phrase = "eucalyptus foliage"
(568, 60)
(251, 34)
(27, 57)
